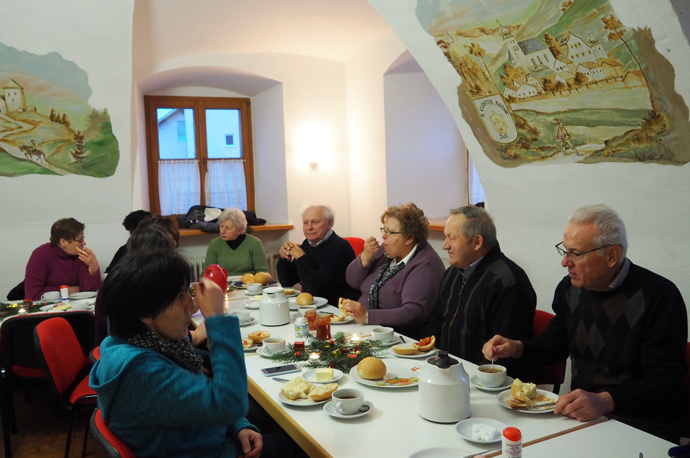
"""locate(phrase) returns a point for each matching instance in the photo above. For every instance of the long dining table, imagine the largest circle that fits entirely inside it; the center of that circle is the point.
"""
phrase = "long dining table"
(393, 427)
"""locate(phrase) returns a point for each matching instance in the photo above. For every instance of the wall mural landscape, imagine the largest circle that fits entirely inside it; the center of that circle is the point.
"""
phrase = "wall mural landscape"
(554, 81)
(46, 124)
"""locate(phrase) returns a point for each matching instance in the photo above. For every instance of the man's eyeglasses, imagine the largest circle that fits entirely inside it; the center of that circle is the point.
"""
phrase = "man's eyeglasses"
(385, 231)
(573, 256)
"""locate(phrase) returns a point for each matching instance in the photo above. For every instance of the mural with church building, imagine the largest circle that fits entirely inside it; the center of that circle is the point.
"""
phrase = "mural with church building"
(559, 81)
(46, 124)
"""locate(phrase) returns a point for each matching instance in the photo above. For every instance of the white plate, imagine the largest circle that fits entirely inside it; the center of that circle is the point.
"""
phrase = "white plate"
(240, 285)
(390, 343)
(396, 368)
(464, 428)
(345, 321)
(45, 308)
(318, 302)
(295, 294)
(421, 354)
(329, 408)
(83, 295)
(234, 278)
(249, 322)
(474, 380)
(310, 376)
(309, 402)
(505, 395)
(250, 349)
(262, 351)
(440, 452)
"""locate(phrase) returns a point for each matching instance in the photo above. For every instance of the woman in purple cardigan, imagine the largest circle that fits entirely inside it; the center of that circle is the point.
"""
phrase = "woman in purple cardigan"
(66, 260)
(399, 279)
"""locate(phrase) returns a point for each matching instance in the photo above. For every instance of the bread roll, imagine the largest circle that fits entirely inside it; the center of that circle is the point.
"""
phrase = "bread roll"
(248, 278)
(297, 389)
(263, 278)
(305, 299)
(371, 368)
(289, 291)
(323, 392)
(408, 349)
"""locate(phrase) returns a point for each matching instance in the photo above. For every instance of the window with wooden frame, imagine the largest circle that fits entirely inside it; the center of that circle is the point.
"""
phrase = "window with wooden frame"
(199, 152)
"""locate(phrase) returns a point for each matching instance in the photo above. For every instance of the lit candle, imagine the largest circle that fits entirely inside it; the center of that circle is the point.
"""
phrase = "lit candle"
(355, 337)
(314, 356)
(22, 310)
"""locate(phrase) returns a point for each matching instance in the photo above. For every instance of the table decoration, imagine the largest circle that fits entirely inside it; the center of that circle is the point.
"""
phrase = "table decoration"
(27, 306)
(339, 353)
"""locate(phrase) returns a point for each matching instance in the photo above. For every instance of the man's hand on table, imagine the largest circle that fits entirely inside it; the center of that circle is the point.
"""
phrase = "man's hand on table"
(583, 405)
(209, 298)
(251, 443)
(356, 310)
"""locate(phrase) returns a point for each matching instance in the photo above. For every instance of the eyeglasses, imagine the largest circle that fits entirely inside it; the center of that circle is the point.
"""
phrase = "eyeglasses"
(575, 256)
(227, 228)
(81, 240)
(385, 231)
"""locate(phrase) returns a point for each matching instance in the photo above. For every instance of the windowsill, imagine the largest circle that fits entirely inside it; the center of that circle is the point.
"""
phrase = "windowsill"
(264, 228)
(437, 224)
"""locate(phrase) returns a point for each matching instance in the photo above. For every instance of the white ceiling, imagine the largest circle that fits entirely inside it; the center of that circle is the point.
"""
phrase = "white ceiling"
(333, 29)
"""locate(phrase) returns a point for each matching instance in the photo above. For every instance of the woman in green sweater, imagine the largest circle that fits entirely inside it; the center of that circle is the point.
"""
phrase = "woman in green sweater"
(238, 252)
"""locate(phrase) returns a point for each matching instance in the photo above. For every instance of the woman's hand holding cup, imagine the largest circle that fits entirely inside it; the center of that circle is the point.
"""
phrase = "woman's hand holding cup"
(209, 298)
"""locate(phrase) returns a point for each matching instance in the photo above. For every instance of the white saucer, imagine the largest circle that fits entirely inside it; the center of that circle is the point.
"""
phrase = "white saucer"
(329, 408)
(249, 322)
(262, 351)
(310, 376)
(83, 295)
(464, 428)
(474, 380)
(390, 343)
(252, 305)
(250, 349)
(419, 354)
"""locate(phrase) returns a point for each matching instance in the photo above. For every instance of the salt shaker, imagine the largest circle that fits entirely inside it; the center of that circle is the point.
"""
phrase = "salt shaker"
(512, 443)
(64, 293)
(301, 327)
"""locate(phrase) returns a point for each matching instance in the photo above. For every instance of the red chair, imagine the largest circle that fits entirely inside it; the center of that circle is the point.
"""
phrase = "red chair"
(553, 374)
(685, 426)
(67, 369)
(20, 361)
(357, 244)
(112, 445)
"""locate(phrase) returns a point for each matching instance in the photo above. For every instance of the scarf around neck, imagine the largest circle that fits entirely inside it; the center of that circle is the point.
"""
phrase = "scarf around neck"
(180, 351)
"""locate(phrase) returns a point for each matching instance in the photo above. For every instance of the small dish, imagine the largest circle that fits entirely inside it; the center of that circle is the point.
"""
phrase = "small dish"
(464, 429)
(263, 351)
(395, 341)
(252, 305)
(83, 295)
(309, 402)
(45, 308)
(474, 380)
(249, 322)
(318, 302)
(420, 354)
(329, 408)
(345, 321)
(310, 376)
(504, 396)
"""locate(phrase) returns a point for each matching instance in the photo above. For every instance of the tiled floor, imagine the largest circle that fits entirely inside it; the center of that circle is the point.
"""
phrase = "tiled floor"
(42, 428)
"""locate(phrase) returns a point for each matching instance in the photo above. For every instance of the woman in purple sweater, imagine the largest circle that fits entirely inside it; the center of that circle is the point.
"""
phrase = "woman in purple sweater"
(66, 260)
(399, 279)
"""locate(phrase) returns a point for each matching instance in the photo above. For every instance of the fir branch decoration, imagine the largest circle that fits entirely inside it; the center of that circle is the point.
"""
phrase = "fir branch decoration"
(339, 353)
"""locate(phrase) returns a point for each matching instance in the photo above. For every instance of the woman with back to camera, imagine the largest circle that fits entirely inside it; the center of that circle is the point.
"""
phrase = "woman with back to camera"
(239, 253)
(150, 385)
(399, 279)
(66, 260)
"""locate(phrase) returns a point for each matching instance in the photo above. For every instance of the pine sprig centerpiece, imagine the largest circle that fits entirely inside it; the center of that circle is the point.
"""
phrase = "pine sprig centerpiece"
(28, 306)
(339, 353)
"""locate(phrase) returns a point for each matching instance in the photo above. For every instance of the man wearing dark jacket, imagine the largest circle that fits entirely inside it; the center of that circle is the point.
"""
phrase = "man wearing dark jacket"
(482, 294)
(320, 261)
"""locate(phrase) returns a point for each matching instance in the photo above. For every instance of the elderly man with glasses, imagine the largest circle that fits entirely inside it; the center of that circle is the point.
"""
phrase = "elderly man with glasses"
(624, 328)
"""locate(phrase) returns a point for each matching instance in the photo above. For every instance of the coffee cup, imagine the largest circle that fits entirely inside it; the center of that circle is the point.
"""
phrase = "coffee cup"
(274, 345)
(81, 304)
(383, 334)
(51, 296)
(348, 401)
(493, 379)
(254, 288)
(303, 309)
(241, 315)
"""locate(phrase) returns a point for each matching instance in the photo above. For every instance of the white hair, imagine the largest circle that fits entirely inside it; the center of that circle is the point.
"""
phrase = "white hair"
(236, 217)
(610, 227)
(327, 212)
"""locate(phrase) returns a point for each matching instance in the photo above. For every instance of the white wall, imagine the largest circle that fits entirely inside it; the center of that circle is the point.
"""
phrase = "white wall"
(425, 155)
(531, 203)
(30, 204)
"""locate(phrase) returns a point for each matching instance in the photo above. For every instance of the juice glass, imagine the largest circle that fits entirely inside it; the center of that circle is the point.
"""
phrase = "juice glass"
(310, 315)
(323, 326)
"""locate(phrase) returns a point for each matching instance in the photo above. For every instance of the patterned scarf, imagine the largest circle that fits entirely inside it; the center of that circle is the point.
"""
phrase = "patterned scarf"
(180, 351)
(381, 279)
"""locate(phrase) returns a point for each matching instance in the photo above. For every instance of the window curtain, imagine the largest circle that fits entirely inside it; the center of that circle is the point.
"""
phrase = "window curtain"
(225, 184)
(179, 186)
(476, 189)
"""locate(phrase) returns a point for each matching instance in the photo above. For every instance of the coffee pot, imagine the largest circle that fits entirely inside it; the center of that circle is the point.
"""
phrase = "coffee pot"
(274, 309)
(444, 390)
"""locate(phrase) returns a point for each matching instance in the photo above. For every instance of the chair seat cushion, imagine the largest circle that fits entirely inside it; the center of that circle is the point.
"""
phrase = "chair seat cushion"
(82, 390)
(28, 372)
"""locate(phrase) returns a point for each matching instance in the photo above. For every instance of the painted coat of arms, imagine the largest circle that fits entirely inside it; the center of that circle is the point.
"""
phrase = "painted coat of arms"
(559, 81)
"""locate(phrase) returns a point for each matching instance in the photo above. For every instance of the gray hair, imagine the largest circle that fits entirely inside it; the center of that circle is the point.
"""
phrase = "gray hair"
(327, 212)
(236, 217)
(610, 227)
(479, 222)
